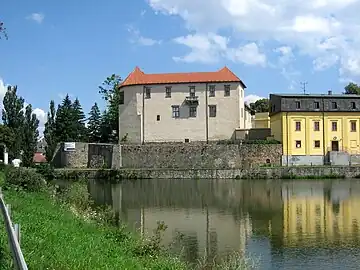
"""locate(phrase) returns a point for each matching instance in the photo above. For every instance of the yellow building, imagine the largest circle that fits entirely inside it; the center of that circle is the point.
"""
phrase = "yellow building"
(262, 120)
(312, 126)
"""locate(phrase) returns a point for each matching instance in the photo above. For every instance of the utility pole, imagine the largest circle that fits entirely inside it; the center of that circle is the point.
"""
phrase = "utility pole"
(303, 86)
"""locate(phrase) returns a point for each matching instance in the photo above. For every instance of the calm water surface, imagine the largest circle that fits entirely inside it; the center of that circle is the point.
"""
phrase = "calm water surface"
(285, 225)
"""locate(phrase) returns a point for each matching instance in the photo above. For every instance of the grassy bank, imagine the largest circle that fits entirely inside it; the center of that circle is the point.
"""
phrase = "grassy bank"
(52, 237)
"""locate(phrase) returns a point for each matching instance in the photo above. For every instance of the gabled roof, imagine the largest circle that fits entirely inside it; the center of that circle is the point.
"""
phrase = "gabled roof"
(138, 77)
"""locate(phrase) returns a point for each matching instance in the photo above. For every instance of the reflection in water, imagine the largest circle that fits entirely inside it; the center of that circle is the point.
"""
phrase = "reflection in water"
(289, 225)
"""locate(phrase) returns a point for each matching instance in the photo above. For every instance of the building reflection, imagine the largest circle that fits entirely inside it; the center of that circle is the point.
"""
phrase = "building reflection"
(217, 217)
(315, 213)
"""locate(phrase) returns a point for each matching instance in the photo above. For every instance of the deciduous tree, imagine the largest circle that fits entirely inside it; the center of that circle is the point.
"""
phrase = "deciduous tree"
(111, 94)
(13, 118)
(261, 105)
(94, 124)
(30, 138)
(352, 88)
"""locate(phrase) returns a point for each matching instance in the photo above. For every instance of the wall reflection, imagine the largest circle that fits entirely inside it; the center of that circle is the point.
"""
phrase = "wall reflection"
(217, 217)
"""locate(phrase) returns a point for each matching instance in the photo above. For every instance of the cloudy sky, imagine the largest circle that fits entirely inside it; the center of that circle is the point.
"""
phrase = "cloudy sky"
(59, 47)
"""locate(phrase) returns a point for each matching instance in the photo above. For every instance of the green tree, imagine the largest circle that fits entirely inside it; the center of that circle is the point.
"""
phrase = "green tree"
(261, 105)
(31, 134)
(94, 124)
(79, 121)
(7, 138)
(13, 118)
(107, 133)
(64, 130)
(111, 94)
(352, 88)
(49, 132)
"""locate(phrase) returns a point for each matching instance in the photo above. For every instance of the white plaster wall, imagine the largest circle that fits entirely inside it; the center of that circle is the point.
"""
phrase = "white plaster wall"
(230, 113)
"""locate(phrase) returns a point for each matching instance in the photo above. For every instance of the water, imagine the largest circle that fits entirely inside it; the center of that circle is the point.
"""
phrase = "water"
(282, 224)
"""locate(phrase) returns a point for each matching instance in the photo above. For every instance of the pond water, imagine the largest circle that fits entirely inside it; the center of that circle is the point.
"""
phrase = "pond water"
(282, 224)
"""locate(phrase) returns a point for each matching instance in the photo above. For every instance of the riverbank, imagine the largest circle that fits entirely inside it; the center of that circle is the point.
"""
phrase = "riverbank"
(295, 172)
(54, 237)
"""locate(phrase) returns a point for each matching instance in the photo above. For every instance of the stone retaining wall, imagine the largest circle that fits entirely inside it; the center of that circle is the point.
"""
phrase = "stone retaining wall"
(252, 173)
(200, 155)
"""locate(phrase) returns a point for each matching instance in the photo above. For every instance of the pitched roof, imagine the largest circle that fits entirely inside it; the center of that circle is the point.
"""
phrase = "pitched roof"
(138, 77)
(39, 158)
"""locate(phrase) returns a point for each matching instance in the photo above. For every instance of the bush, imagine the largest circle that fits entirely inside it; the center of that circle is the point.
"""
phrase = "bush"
(46, 170)
(24, 179)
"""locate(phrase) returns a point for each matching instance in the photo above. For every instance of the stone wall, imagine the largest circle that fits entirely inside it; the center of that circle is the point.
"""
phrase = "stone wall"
(296, 172)
(200, 155)
(87, 155)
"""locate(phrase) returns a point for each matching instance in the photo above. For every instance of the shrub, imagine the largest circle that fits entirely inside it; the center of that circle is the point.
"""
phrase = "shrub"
(24, 179)
(46, 170)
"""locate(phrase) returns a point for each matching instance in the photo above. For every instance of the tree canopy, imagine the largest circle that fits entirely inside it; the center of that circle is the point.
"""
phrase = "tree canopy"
(352, 88)
(261, 105)
(111, 94)
(94, 124)
(30, 138)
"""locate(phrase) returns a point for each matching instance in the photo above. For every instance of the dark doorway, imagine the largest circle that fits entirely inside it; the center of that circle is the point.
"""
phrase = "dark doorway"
(334, 145)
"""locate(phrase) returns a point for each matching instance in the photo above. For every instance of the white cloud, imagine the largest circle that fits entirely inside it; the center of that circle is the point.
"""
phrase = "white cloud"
(37, 17)
(3, 89)
(210, 48)
(137, 38)
(252, 99)
(325, 30)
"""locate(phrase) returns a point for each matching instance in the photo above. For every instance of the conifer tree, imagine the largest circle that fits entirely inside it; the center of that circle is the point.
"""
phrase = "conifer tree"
(64, 130)
(79, 121)
(94, 124)
(49, 132)
(30, 138)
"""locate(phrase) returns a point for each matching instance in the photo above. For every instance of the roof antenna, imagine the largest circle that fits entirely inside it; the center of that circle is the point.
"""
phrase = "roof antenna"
(303, 86)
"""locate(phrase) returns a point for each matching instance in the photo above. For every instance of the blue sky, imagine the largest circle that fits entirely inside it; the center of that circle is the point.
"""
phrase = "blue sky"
(59, 47)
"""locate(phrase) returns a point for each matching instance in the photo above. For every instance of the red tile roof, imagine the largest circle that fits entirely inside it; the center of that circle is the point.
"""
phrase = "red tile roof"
(39, 158)
(138, 77)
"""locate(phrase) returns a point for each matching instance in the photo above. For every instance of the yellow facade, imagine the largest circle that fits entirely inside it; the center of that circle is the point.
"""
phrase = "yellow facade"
(262, 120)
(317, 216)
(316, 133)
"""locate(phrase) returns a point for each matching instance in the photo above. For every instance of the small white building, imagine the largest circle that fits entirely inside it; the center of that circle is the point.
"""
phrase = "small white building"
(198, 106)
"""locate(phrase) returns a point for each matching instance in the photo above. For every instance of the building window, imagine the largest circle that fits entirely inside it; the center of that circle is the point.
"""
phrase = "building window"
(147, 92)
(316, 105)
(316, 126)
(353, 126)
(168, 91)
(211, 90)
(192, 111)
(334, 105)
(175, 111)
(192, 91)
(316, 144)
(334, 126)
(121, 97)
(298, 126)
(242, 112)
(158, 117)
(298, 144)
(297, 104)
(353, 105)
(226, 90)
(212, 110)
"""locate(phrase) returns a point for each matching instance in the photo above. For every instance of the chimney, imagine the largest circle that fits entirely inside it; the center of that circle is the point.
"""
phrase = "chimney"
(329, 92)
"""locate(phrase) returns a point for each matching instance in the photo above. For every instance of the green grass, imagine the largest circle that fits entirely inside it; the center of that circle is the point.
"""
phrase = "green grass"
(52, 237)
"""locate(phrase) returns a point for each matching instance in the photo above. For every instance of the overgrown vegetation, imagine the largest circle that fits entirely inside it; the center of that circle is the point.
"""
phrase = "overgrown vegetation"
(248, 142)
(54, 217)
